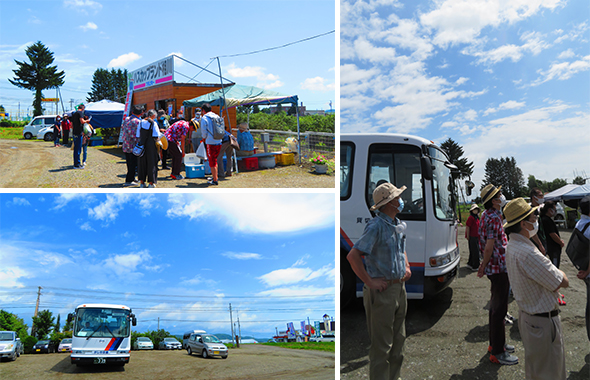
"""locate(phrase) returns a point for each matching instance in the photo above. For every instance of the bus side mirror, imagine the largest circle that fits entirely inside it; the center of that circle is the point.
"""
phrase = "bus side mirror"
(70, 317)
(426, 165)
(133, 320)
(468, 186)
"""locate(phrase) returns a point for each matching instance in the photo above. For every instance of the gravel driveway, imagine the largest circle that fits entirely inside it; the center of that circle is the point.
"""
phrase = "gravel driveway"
(37, 164)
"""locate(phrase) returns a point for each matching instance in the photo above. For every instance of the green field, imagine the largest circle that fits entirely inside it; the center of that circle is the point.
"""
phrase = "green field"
(8, 133)
(319, 346)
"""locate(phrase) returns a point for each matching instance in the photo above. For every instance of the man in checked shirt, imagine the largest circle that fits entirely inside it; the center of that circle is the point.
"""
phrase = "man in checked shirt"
(535, 283)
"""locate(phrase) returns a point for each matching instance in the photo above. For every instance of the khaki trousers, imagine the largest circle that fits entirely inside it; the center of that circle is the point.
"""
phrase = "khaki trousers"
(544, 353)
(386, 314)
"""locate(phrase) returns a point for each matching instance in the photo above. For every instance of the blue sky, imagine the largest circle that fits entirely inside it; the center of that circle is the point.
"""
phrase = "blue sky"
(85, 35)
(180, 257)
(501, 78)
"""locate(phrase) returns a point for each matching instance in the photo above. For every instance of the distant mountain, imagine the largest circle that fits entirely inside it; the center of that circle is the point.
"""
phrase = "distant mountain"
(222, 336)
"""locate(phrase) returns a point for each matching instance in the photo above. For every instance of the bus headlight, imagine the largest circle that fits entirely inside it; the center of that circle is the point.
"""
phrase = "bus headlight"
(437, 261)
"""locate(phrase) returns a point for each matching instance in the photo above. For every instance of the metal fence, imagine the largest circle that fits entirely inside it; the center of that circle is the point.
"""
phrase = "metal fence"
(311, 142)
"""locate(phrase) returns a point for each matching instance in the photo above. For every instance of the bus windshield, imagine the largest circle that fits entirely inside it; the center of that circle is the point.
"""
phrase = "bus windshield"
(101, 323)
(441, 185)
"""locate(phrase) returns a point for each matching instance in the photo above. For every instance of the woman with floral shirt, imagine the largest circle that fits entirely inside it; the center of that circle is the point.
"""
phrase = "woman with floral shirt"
(128, 130)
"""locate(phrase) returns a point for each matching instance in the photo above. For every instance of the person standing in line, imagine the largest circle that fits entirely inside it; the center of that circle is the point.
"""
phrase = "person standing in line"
(78, 122)
(584, 275)
(176, 136)
(228, 150)
(148, 133)
(56, 131)
(129, 131)
(163, 125)
(85, 140)
(472, 236)
(539, 240)
(492, 243)
(66, 125)
(213, 145)
(554, 241)
(196, 135)
(387, 269)
(535, 284)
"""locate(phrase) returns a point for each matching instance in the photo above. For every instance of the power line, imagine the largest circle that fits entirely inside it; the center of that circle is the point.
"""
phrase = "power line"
(276, 47)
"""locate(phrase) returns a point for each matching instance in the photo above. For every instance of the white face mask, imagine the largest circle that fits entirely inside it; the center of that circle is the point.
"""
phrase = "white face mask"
(540, 200)
(535, 228)
(503, 200)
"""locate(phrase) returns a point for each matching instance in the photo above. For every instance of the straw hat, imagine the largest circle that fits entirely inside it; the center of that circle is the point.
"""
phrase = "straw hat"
(163, 142)
(473, 207)
(516, 211)
(488, 192)
(385, 193)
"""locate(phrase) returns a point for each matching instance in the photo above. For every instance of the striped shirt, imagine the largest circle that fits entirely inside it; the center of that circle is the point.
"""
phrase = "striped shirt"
(532, 276)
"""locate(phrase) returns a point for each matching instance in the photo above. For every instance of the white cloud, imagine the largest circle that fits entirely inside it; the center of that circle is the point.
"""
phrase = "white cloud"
(533, 43)
(126, 263)
(566, 54)
(83, 5)
(294, 275)
(511, 105)
(109, 209)
(87, 227)
(17, 201)
(249, 71)
(270, 86)
(297, 291)
(461, 80)
(242, 255)
(63, 199)
(124, 60)
(563, 70)
(89, 26)
(317, 84)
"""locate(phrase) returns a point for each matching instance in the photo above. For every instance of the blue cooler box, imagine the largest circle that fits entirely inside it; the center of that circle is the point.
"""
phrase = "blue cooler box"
(194, 171)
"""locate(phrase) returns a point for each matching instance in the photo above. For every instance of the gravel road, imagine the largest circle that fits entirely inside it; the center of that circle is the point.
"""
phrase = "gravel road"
(247, 362)
(37, 164)
(447, 337)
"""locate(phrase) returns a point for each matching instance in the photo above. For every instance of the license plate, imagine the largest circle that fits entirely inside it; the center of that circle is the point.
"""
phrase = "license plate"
(100, 360)
(216, 352)
(38, 350)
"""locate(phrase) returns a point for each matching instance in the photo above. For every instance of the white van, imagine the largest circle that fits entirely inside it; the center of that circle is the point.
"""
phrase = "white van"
(39, 122)
(429, 212)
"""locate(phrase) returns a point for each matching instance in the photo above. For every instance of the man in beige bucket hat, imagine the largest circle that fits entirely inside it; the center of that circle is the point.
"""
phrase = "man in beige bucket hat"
(535, 283)
(387, 268)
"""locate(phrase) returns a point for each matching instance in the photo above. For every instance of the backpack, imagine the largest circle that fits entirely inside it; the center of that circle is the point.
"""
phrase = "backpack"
(218, 126)
(578, 248)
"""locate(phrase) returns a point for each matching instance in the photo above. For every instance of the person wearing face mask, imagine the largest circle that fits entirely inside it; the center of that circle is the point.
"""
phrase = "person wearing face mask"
(148, 133)
(540, 240)
(387, 269)
(472, 236)
(554, 241)
(535, 284)
(163, 125)
(492, 244)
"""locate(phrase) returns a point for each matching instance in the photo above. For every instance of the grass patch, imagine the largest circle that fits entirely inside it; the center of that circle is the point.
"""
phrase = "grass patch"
(11, 133)
(319, 346)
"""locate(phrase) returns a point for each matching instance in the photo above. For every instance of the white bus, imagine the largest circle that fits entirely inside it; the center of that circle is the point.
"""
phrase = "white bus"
(101, 334)
(366, 160)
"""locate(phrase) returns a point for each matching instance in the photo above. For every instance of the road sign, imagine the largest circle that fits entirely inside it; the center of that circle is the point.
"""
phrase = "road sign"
(50, 100)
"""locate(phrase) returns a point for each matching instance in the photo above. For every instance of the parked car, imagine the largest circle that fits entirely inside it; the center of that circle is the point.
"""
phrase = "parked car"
(207, 345)
(65, 345)
(323, 338)
(143, 343)
(10, 345)
(44, 346)
(39, 122)
(45, 133)
(170, 344)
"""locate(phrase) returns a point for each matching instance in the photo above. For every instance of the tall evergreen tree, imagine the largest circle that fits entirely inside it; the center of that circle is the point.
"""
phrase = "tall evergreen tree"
(37, 75)
(504, 172)
(455, 153)
(110, 85)
(57, 324)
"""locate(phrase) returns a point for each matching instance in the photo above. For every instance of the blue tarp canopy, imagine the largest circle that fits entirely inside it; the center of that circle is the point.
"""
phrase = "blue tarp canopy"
(105, 113)
(568, 192)
(238, 95)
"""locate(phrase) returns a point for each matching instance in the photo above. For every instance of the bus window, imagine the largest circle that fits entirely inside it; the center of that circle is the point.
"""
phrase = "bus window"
(441, 186)
(400, 165)
(346, 157)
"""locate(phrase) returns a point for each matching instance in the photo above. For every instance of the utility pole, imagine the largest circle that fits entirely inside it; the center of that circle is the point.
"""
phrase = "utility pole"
(239, 328)
(231, 321)
(158, 323)
(37, 305)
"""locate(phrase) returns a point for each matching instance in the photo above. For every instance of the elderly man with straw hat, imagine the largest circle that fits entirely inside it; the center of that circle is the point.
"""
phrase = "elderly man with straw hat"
(492, 244)
(535, 283)
(387, 268)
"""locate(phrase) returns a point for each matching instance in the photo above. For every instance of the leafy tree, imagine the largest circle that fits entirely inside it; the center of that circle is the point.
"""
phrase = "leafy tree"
(2, 109)
(156, 336)
(579, 181)
(43, 323)
(110, 85)
(28, 343)
(37, 75)
(57, 324)
(255, 108)
(11, 322)
(292, 110)
(455, 153)
(504, 172)
(57, 337)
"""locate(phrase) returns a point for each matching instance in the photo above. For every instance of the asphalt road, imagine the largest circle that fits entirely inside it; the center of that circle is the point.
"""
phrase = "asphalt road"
(447, 336)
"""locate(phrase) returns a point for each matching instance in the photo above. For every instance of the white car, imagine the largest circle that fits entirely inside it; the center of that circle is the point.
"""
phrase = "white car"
(65, 345)
(143, 343)
(45, 133)
(323, 338)
(38, 123)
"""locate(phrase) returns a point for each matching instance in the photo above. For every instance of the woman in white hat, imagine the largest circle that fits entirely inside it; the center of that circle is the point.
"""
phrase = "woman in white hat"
(472, 236)
(535, 283)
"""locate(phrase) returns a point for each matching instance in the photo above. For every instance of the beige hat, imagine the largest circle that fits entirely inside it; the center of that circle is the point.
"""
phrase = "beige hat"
(473, 207)
(163, 142)
(488, 192)
(517, 210)
(385, 193)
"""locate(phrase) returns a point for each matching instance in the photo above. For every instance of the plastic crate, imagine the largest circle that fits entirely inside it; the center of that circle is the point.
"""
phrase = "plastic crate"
(194, 171)
(96, 142)
(285, 159)
(248, 163)
(266, 162)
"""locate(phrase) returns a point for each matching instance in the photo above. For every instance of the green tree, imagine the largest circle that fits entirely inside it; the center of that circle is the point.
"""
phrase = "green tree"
(579, 181)
(504, 172)
(2, 109)
(110, 85)
(455, 153)
(57, 325)
(11, 322)
(37, 75)
(157, 336)
(43, 323)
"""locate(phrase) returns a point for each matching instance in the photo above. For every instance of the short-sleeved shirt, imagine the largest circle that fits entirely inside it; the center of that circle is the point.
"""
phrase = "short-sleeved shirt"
(128, 130)
(207, 129)
(490, 227)
(383, 248)
(76, 125)
(550, 227)
(473, 224)
(177, 131)
(245, 140)
(532, 276)
(66, 125)
(145, 124)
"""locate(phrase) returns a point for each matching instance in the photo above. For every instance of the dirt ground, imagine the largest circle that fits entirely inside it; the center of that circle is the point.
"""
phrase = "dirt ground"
(37, 164)
(247, 362)
(447, 337)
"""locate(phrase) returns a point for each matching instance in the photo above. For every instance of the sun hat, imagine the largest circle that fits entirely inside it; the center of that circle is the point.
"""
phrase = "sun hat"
(473, 207)
(163, 142)
(80, 105)
(384, 193)
(488, 192)
(517, 210)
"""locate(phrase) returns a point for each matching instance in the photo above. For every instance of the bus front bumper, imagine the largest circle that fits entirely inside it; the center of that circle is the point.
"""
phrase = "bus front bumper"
(86, 360)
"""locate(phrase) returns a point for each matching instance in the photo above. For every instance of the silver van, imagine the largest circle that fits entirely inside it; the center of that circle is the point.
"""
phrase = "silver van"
(39, 122)
(10, 345)
(206, 345)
